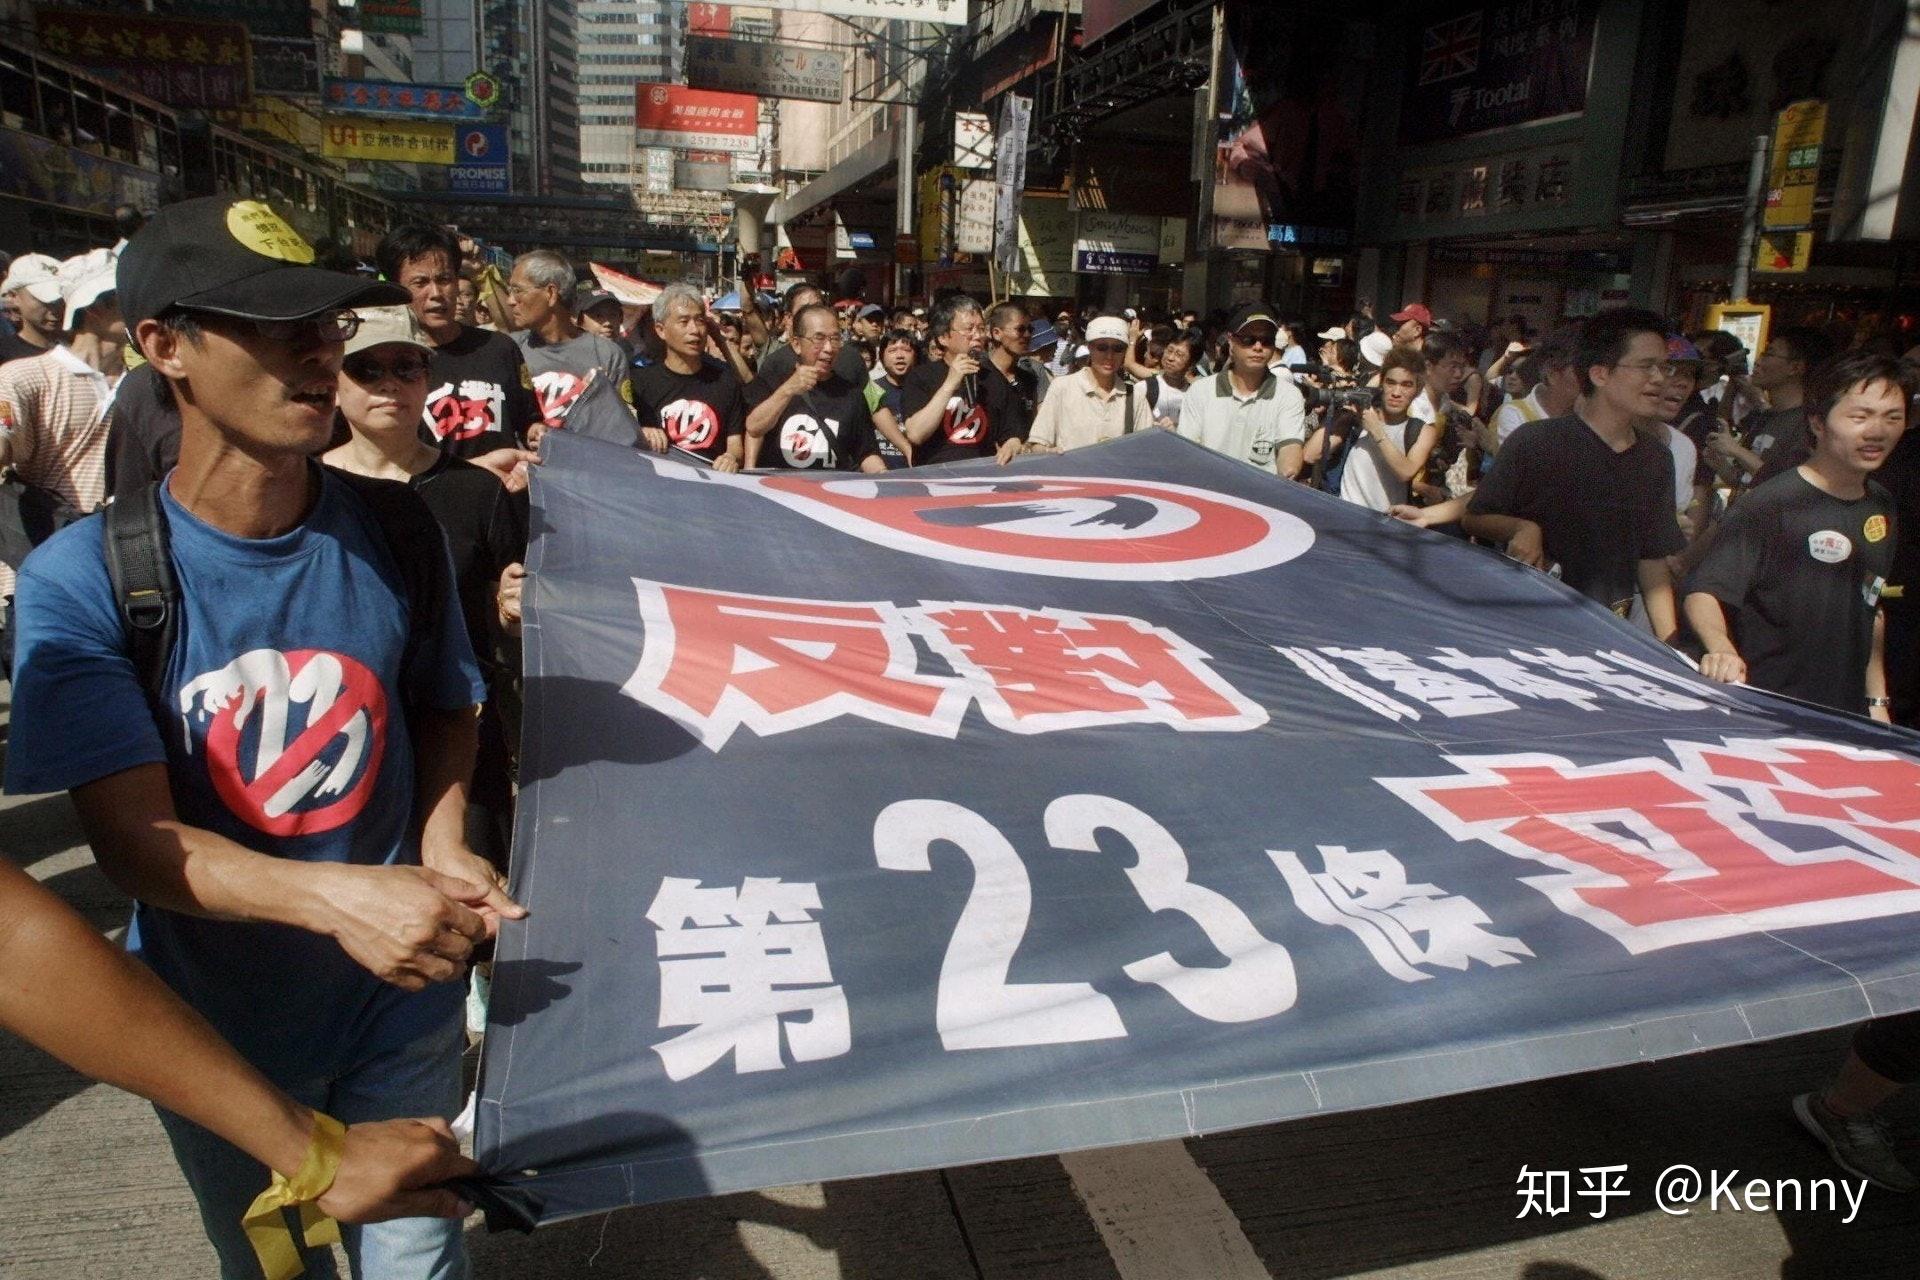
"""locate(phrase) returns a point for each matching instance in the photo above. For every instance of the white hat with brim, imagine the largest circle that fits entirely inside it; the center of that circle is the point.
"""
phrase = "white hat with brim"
(1107, 329)
(38, 274)
(383, 326)
(1375, 347)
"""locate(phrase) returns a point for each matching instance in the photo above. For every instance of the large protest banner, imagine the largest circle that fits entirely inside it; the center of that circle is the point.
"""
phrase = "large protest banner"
(881, 823)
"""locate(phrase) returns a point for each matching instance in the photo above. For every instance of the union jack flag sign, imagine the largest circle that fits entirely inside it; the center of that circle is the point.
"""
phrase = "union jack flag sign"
(1450, 48)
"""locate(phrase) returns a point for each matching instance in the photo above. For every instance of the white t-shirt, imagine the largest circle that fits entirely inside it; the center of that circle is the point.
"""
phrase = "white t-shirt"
(1515, 414)
(1686, 456)
(1166, 400)
(1367, 480)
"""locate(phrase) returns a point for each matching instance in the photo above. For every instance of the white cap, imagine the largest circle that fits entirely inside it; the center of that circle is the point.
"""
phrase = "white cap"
(1107, 329)
(1333, 334)
(1081, 353)
(1375, 347)
(38, 274)
(85, 279)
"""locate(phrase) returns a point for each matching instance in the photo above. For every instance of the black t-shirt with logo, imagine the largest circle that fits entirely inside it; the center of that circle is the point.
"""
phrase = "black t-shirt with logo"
(478, 391)
(780, 363)
(1781, 439)
(699, 411)
(978, 418)
(1799, 573)
(1600, 512)
(828, 427)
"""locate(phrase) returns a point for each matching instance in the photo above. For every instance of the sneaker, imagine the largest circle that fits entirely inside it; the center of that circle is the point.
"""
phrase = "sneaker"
(1859, 1144)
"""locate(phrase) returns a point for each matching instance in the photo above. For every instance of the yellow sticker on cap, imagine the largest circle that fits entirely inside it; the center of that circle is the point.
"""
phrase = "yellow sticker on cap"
(1875, 530)
(265, 232)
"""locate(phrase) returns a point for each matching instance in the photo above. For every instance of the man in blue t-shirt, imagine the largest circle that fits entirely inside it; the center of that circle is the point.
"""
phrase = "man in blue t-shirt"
(289, 813)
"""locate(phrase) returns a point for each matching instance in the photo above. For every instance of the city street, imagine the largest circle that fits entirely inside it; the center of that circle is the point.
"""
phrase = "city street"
(88, 1188)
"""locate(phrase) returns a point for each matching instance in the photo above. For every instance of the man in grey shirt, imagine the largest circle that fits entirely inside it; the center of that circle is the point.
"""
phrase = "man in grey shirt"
(580, 379)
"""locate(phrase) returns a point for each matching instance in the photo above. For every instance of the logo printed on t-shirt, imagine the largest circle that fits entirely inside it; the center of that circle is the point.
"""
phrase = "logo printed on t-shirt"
(1875, 530)
(804, 442)
(294, 739)
(964, 426)
(1829, 546)
(557, 391)
(691, 424)
(472, 410)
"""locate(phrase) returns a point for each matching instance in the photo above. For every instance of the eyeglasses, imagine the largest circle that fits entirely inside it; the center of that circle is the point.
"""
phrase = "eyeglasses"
(366, 370)
(1664, 368)
(1021, 330)
(328, 326)
(811, 339)
(1108, 348)
(1255, 340)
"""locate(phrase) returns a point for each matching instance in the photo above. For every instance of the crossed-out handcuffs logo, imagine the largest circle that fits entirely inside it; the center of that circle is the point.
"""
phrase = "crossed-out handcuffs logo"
(293, 740)
(1069, 527)
(691, 424)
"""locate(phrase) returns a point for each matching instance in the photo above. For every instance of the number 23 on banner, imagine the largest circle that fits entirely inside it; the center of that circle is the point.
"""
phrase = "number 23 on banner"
(977, 1008)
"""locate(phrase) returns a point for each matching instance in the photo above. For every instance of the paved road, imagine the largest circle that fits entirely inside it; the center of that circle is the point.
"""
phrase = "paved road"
(87, 1188)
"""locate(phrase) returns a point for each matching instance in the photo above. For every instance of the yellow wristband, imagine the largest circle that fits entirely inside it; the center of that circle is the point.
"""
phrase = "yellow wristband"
(266, 1225)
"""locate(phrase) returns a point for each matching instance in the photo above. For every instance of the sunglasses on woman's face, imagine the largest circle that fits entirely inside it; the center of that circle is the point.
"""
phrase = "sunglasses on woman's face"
(367, 370)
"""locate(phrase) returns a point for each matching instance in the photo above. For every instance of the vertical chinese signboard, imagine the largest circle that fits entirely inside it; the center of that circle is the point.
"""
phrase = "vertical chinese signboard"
(1794, 174)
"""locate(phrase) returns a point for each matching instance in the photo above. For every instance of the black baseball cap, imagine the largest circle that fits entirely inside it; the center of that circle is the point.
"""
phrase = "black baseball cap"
(1251, 313)
(234, 258)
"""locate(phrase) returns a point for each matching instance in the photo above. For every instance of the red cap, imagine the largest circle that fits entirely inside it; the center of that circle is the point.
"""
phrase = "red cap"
(1414, 311)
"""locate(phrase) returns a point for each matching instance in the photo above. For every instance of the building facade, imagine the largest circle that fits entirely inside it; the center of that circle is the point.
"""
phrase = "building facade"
(622, 43)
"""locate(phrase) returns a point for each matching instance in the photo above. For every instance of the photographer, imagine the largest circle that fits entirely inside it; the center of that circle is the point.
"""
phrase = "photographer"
(1381, 448)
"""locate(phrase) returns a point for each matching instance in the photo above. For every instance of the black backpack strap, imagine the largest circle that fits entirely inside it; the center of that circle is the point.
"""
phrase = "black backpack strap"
(140, 566)
(418, 547)
(1153, 393)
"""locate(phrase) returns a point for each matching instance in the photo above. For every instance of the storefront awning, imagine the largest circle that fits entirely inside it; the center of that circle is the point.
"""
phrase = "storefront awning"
(875, 157)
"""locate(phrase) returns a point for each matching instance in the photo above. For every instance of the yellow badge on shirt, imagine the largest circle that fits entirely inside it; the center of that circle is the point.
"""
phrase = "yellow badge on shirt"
(526, 377)
(265, 232)
(626, 391)
(1875, 530)
(7, 417)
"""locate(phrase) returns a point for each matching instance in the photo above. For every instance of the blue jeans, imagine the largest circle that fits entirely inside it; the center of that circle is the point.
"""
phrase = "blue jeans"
(417, 1079)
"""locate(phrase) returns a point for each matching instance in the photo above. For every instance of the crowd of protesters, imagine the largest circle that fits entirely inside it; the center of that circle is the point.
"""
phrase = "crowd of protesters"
(319, 912)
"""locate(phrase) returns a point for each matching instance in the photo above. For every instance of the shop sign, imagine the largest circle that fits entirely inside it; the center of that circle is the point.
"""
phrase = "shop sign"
(952, 13)
(669, 115)
(709, 19)
(1010, 178)
(1508, 183)
(399, 141)
(181, 63)
(1793, 173)
(772, 70)
(1289, 235)
(1173, 240)
(1474, 65)
(1115, 244)
(1046, 247)
(36, 168)
(973, 146)
(482, 169)
(276, 118)
(390, 17)
(702, 171)
(906, 251)
(659, 171)
(286, 68)
(1783, 252)
(974, 231)
(393, 100)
